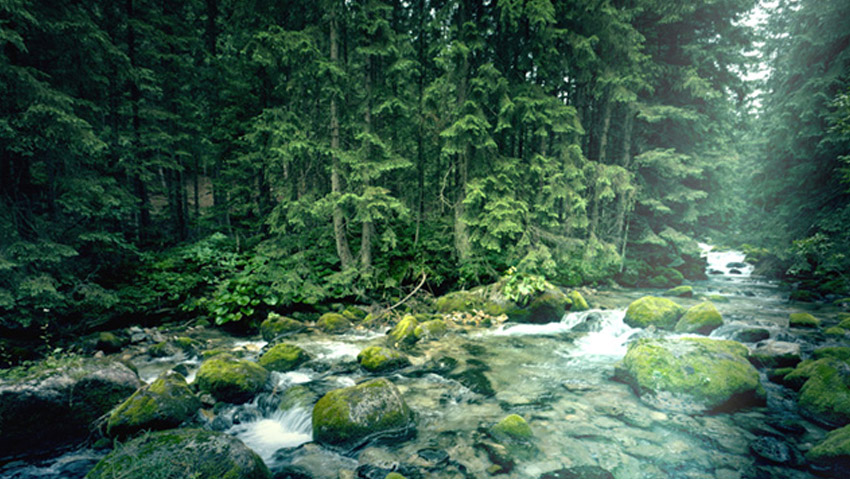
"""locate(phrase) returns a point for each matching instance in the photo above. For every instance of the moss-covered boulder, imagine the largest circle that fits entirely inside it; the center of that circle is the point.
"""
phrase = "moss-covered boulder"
(231, 380)
(276, 326)
(346, 418)
(109, 342)
(354, 314)
(512, 428)
(182, 453)
(283, 357)
(691, 374)
(653, 311)
(844, 321)
(547, 307)
(433, 329)
(832, 455)
(404, 332)
(379, 359)
(775, 354)
(702, 318)
(333, 323)
(803, 320)
(468, 302)
(825, 391)
(577, 301)
(164, 404)
(835, 331)
(683, 291)
(837, 352)
(45, 408)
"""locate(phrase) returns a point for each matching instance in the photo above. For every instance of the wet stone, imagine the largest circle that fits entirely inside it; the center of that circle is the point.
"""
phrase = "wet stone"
(773, 450)
(433, 457)
(579, 472)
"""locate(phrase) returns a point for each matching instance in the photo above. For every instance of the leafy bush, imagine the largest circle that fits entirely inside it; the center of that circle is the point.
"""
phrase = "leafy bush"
(521, 288)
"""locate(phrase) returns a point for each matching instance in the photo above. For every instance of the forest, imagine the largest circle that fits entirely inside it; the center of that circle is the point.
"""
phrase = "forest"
(223, 158)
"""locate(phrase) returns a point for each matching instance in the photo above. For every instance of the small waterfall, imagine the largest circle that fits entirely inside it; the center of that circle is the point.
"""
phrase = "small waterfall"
(280, 429)
(727, 263)
(607, 334)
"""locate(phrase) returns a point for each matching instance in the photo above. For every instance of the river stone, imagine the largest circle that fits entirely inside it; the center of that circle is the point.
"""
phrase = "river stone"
(182, 453)
(229, 379)
(404, 333)
(683, 291)
(163, 404)
(653, 311)
(751, 335)
(577, 301)
(55, 407)
(773, 450)
(579, 472)
(379, 359)
(347, 418)
(512, 428)
(702, 318)
(803, 320)
(433, 329)
(468, 302)
(832, 455)
(825, 395)
(333, 323)
(547, 307)
(276, 326)
(691, 374)
(283, 357)
(775, 354)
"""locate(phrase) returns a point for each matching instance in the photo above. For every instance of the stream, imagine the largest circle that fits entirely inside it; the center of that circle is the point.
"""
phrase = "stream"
(557, 376)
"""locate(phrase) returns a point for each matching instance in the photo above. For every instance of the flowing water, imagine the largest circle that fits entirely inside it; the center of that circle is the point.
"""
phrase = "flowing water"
(557, 376)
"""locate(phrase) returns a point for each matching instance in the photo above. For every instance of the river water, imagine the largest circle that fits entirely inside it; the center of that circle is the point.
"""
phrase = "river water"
(557, 376)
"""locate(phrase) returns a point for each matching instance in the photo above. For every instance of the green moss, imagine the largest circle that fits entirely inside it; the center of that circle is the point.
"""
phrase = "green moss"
(711, 372)
(835, 331)
(164, 404)
(379, 359)
(333, 323)
(229, 379)
(825, 395)
(684, 291)
(161, 350)
(276, 326)
(833, 451)
(283, 357)
(803, 320)
(394, 475)
(435, 328)
(513, 428)
(404, 333)
(547, 307)
(345, 418)
(842, 353)
(653, 311)
(717, 298)
(577, 301)
(354, 314)
(845, 323)
(777, 375)
(468, 302)
(186, 343)
(702, 318)
(806, 369)
(110, 342)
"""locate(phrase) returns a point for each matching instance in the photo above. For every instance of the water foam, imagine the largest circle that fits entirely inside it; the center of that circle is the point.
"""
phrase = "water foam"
(281, 429)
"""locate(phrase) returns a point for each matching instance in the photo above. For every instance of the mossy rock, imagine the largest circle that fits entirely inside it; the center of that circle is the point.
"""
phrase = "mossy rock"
(276, 326)
(832, 454)
(379, 359)
(182, 453)
(547, 307)
(231, 380)
(825, 393)
(468, 302)
(683, 291)
(433, 329)
(845, 323)
(717, 298)
(394, 475)
(283, 357)
(109, 342)
(751, 335)
(354, 314)
(579, 472)
(187, 344)
(777, 375)
(404, 333)
(691, 374)
(512, 428)
(653, 311)
(162, 349)
(297, 396)
(346, 418)
(835, 331)
(803, 320)
(775, 354)
(577, 301)
(837, 352)
(333, 323)
(702, 318)
(164, 404)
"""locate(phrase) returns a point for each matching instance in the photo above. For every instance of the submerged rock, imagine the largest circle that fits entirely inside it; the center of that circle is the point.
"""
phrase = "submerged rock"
(231, 380)
(653, 311)
(182, 453)
(53, 407)
(832, 455)
(163, 404)
(283, 357)
(347, 418)
(691, 374)
(702, 318)
(379, 359)
(276, 326)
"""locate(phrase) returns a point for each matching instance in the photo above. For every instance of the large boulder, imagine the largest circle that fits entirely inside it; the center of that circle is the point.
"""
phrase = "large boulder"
(346, 418)
(182, 453)
(548, 306)
(702, 318)
(832, 455)
(379, 359)
(229, 379)
(283, 357)
(825, 392)
(276, 326)
(55, 407)
(404, 332)
(691, 374)
(333, 323)
(164, 404)
(653, 311)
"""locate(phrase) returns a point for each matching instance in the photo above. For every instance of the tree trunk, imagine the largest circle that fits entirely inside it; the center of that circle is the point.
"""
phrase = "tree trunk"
(144, 217)
(366, 230)
(462, 159)
(340, 238)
